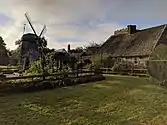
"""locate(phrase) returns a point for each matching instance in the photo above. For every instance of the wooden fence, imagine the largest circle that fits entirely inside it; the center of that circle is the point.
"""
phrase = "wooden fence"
(131, 72)
(136, 72)
(46, 75)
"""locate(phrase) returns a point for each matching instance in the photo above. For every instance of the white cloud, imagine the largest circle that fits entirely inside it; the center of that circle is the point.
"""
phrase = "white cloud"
(60, 17)
(86, 20)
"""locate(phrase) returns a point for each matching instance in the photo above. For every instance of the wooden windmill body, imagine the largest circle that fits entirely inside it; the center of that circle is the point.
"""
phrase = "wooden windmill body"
(32, 47)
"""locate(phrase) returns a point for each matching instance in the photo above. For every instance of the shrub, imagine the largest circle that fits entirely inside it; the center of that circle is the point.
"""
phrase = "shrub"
(30, 86)
(97, 70)
(46, 85)
(67, 81)
(108, 62)
(2, 76)
(124, 65)
(35, 68)
(157, 71)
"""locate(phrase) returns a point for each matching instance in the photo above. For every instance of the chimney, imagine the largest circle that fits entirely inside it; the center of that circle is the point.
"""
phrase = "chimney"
(69, 48)
(131, 29)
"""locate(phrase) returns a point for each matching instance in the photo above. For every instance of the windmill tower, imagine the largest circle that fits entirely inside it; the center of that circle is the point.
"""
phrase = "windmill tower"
(33, 45)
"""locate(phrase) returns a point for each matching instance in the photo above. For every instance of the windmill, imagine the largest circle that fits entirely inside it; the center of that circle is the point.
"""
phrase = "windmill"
(32, 41)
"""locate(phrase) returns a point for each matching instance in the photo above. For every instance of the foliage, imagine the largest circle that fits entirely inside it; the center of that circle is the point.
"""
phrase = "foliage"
(60, 81)
(72, 63)
(157, 71)
(160, 52)
(2, 75)
(15, 56)
(79, 50)
(44, 42)
(35, 68)
(93, 47)
(18, 42)
(157, 65)
(120, 66)
(4, 59)
(97, 69)
(108, 62)
(96, 60)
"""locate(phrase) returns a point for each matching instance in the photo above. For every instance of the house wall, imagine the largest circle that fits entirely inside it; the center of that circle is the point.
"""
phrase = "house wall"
(137, 61)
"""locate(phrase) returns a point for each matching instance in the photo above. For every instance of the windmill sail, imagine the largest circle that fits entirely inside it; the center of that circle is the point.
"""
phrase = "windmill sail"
(24, 28)
(28, 19)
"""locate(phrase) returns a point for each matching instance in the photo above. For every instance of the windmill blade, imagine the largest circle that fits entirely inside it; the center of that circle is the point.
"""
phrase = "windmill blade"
(24, 28)
(43, 31)
(28, 19)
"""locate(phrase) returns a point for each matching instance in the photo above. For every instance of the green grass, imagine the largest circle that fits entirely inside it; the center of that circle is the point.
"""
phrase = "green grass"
(115, 101)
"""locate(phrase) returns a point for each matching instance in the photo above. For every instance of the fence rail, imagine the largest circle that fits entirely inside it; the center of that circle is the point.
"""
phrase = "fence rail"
(157, 60)
(41, 76)
(125, 73)
(130, 72)
(102, 70)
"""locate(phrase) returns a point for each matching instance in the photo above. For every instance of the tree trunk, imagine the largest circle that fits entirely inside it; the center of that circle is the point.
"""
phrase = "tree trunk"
(60, 65)
(57, 63)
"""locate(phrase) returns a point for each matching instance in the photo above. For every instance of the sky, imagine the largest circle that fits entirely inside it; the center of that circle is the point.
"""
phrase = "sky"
(77, 22)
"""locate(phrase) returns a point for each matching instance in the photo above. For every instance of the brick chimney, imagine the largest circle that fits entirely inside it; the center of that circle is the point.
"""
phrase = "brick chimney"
(69, 48)
(131, 29)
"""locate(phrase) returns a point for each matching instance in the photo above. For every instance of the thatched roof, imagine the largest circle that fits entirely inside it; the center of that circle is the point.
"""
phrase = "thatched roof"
(140, 43)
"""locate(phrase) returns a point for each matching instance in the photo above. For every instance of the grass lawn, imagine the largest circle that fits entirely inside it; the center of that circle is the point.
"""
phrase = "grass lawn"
(115, 101)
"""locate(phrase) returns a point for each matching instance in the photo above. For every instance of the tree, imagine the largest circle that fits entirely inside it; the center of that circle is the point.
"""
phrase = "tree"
(92, 48)
(79, 49)
(18, 42)
(15, 56)
(4, 59)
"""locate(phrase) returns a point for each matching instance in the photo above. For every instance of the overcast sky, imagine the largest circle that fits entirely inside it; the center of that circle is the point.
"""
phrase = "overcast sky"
(77, 22)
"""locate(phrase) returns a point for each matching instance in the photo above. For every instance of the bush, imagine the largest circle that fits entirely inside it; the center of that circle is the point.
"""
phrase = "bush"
(97, 69)
(2, 76)
(157, 71)
(45, 85)
(29, 86)
(124, 65)
(36, 69)
(108, 62)
(68, 81)
(87, 79)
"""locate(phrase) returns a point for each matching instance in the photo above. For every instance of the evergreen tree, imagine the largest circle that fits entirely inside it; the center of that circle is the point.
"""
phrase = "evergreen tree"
(3, 53)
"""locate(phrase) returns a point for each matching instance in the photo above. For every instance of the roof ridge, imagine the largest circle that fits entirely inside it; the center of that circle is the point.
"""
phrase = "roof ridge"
(153, 27)
(165, 26)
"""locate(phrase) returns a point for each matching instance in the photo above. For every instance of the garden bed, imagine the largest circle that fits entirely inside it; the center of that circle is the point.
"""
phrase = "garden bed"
(36, 85)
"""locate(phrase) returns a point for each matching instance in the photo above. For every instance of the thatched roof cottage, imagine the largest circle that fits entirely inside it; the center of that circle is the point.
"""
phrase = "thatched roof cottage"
(137, 45)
